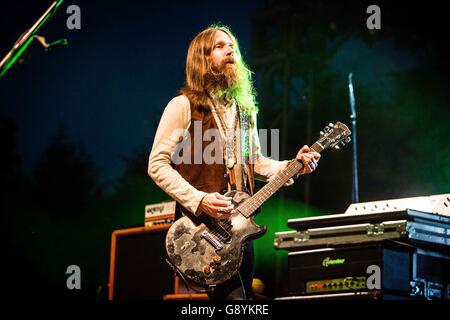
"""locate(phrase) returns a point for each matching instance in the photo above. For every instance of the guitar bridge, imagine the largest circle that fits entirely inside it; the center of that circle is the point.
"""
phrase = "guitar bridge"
(212, 240)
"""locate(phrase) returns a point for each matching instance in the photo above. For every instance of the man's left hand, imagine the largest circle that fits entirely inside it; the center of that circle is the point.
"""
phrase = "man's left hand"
(309, 158)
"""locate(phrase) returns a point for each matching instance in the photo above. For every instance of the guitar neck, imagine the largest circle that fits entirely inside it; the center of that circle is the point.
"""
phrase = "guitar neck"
(249, 207)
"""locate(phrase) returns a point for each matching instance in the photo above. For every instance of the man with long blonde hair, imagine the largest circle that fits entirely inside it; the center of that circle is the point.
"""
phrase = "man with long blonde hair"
(207, 144)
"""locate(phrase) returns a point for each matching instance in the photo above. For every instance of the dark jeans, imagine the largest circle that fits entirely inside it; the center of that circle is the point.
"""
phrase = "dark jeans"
(232, 289)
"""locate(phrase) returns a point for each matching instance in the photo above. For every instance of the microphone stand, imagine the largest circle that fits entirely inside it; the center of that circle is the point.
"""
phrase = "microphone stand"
(355, 188)
(26, 38)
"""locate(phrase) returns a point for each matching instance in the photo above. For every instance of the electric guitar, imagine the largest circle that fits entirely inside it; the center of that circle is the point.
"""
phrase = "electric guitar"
(209, 251)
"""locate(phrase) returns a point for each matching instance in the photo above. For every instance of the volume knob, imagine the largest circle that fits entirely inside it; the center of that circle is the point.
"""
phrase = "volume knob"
(206, 270)
(217, 259)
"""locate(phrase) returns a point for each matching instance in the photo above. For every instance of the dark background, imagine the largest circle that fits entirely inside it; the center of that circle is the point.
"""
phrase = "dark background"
(77, 123)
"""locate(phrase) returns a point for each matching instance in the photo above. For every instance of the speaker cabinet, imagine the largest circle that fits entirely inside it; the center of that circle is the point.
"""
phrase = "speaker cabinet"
(138, 269)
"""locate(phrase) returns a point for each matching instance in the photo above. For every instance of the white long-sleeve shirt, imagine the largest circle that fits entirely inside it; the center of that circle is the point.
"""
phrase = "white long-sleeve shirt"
(172, 129)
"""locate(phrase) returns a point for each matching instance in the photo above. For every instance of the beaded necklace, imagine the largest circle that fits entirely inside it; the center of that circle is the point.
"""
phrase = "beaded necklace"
(230, 138)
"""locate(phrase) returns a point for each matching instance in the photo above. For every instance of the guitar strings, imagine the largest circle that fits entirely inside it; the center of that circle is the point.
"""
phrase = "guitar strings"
(252, 204)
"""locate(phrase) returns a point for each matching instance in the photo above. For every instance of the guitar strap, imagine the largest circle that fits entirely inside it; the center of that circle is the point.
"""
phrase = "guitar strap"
(246, 151)
(250, 177)
(232, 178)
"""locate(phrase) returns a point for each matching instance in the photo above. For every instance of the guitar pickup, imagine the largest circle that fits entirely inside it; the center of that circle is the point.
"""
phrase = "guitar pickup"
(212, 240)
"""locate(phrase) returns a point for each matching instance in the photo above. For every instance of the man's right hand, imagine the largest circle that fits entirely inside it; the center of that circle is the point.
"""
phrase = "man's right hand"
(217, 206)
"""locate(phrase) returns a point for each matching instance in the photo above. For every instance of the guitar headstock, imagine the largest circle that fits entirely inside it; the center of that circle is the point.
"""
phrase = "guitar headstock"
(333, 136)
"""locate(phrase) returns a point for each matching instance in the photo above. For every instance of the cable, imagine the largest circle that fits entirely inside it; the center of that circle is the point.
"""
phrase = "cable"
(242, 285)
(186, 283)
(187, 289)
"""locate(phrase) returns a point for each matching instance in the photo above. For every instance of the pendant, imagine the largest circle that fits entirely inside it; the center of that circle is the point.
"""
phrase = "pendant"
(230, 163)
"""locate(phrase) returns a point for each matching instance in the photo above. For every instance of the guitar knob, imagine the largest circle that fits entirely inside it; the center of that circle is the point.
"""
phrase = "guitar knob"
(217, 259)
(206, 270)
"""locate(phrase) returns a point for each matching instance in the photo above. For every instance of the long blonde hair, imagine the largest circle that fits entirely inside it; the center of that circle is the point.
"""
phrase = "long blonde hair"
(198, 66)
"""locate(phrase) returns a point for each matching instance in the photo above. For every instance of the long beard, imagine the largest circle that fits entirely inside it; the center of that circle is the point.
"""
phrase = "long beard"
(222, 79)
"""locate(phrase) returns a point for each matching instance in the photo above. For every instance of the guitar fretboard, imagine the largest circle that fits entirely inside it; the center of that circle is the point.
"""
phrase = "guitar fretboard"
(250, 206)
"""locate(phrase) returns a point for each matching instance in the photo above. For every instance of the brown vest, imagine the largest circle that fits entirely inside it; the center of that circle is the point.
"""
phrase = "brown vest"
(202, 176)
(205, 177)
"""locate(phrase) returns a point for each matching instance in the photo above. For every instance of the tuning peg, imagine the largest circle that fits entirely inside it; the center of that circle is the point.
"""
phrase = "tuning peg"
(342, 143)
(331, 125)
(321, 133)
(348, 140)
(326, 129)
(336, 147)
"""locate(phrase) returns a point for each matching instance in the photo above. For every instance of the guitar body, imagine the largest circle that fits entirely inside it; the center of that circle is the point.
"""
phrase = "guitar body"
(209, 251)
